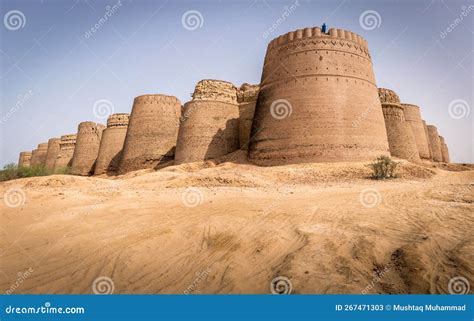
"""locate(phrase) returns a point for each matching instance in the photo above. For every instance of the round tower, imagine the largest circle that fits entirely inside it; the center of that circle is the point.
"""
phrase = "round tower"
(400, 137)
(152, 132)
(413, 117)
(111, 144)
(38, 156)
(52, 154)
(318, 101)
(247, 98)
(24, 160)
(444, 150)
(428, 140)
(87, 148)
(209, 125)
(67, 145)
(435, 143)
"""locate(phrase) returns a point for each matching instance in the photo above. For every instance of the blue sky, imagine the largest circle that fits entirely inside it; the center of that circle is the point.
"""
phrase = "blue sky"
(53, 71)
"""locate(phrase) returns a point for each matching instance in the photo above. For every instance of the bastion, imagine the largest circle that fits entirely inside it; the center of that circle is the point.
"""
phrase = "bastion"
(89, 135)
(318, 101)
(400, 136)
(111, 144)
(435, 143)
(247, 98)
(413, 117)
(152, 132)
(209, 125)
(38, 156)
(67, 145)
(444, 150)
(428, 140)
(24, 160)
(52, 154)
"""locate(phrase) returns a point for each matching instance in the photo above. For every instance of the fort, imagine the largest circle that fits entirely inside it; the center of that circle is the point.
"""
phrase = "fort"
(152, 132)
(317, 101)
(209, 127)
(401, 140)
(111, 144)
(86, 150)
(314, 85)
(66, 151)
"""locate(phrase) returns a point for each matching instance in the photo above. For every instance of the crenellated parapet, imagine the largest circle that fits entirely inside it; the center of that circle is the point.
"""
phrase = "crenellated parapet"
(247, 93)
(118, 120)
(215, 90)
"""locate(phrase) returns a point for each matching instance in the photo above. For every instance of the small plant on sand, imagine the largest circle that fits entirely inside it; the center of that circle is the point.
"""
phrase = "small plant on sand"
(12, 171)
(384, 167)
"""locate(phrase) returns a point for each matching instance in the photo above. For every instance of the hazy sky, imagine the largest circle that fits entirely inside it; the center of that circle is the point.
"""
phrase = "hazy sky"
(59, 58)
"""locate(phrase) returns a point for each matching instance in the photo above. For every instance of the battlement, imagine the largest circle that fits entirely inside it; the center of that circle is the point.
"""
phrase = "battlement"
(118, 120)
(25, 154)
(155, 99)
(388, 96)
(215, 90)
(42, 146)
(412, 112)
(89, 127)
(68, 138)
(247, 93)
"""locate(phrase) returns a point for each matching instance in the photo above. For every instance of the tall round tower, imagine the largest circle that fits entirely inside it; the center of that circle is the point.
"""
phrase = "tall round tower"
(428, 140)
(318, 101)
(400, 136)
(152, 132)
(38, 156)
(67, 145)
(247, 98)
(52, 154)
(24, 160)
(444, 149)
(413, 117)
(88, 139)
(209, 125)
(111, 144)
(435, 143)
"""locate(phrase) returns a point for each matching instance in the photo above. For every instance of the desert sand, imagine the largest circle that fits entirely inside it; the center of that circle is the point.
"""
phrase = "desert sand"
(227, 226)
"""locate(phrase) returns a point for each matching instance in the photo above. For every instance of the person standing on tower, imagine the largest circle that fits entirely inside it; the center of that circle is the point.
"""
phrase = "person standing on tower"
(323, 28)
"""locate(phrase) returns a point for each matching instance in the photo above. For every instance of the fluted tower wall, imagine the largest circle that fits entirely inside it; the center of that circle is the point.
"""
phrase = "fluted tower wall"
(400, 136)
(247, 98)
(89, 135)
(152, 132)
(38, 157)
(67, 145)
(209, 125)
(111, 144)
(413, 117)
(318, 101)
(428, 140)
(53, 152)
(435, 143)
(444, 149)
(24, 160)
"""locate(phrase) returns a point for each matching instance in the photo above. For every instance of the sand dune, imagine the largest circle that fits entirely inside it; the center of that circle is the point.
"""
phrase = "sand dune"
(222, 227)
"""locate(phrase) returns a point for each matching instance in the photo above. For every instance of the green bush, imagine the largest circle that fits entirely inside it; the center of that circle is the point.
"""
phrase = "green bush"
(11, 171)
(384, 167)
